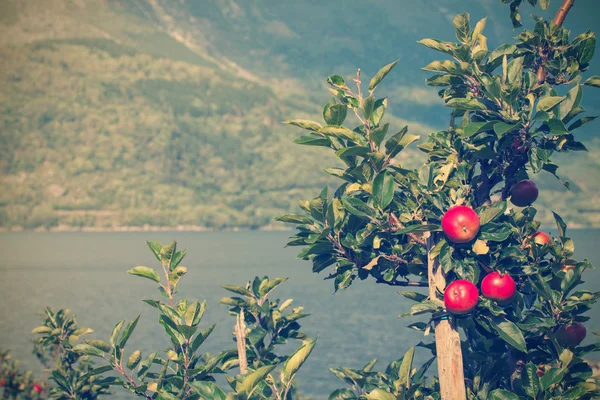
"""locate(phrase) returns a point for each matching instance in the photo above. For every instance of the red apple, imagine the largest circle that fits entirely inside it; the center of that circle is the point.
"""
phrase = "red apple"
(460, 224)
(571, 335)
(540, 238)
(37, 388)
(501, 288)
(461, 297)
(524, 193)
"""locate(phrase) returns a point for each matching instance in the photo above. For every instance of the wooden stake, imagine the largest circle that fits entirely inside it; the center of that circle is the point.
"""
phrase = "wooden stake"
(447, 339)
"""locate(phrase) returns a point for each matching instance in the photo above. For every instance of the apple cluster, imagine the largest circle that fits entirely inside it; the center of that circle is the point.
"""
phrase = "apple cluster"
(461, 224)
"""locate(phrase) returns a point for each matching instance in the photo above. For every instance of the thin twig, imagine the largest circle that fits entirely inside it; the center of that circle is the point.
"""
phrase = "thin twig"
(403, 283)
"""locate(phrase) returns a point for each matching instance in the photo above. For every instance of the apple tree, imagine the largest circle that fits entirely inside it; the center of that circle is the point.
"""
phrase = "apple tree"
(463, 224)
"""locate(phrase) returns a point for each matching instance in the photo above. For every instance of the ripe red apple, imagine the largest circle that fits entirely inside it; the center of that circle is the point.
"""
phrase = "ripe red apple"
(571, 335)
(501, 288)
(540, 238)
(460, 224)
(37, 388)
(461, 297)
(524, 193)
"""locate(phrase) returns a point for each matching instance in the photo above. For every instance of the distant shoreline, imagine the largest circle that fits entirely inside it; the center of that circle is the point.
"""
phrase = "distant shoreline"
(144, 228)
(177, 228)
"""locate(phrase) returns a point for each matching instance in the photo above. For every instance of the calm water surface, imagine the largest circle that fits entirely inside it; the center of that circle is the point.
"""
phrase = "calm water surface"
(86, 273)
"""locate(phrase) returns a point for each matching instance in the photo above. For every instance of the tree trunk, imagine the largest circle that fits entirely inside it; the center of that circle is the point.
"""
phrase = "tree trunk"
(447, 340)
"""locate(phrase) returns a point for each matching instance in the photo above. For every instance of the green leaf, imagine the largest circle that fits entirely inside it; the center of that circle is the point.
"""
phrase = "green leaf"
(383, 189)
(304, 124)
(176, 275)
(201, 337)
(379, 111)
(398, 142)
(495, 232)
(341, 132)
(380, 394)
(462, 27)
(313, 141)
(552, 377)
(544, 4)
(128, 331)
(491, 212)
(134, 359)
(196, 310)
(88, 350)
(294, 219)
(435, 44)
(346, 152)
(466, 104)
(501, 394)
(549, 102)
(442, 66)
(582, 121)
(42, 329)
(342, 394)
(380, 75)
(295, 361)
(269, 285)
(99, 344)
(155, 247)
(358, 207)
(114, 335)
(207, 390)
(368, 105)
(237, 289)
(510, 333)
(592, 81)
(418, 297)
(335, 114)
(145, 272)
(337, 81)
(253, 379)
(406, 368)
(378, 134)
(556, 127)
(476, 127)
(418, 228)
(501, 128)
(560, 224)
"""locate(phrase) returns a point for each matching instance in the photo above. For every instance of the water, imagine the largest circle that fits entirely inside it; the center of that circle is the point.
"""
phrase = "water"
(86, 273)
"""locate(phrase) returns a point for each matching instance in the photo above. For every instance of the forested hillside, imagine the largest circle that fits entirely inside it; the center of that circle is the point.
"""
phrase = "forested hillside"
(147, 112)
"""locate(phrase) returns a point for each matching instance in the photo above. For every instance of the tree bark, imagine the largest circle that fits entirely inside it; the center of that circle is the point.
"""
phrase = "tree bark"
(447, 339)
(563, 11)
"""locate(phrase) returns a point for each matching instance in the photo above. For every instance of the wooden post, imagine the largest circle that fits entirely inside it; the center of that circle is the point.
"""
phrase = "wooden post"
(447, 340)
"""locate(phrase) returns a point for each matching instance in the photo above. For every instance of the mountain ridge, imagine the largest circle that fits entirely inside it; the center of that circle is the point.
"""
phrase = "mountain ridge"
(141, 113)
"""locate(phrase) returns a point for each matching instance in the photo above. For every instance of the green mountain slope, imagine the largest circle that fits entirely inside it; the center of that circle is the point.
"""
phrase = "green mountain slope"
(147, 112)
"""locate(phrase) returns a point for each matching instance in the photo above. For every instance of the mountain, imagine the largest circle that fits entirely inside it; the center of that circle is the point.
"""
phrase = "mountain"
(157, 112)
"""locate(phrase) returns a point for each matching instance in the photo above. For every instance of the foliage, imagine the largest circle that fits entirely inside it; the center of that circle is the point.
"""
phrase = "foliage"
(261, 325)
(72, 373)
(399, 381)
(508, 118)
(16, 384)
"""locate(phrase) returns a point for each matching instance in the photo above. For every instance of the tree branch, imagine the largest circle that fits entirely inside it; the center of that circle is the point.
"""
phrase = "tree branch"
(403, 283)
(562, 12)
